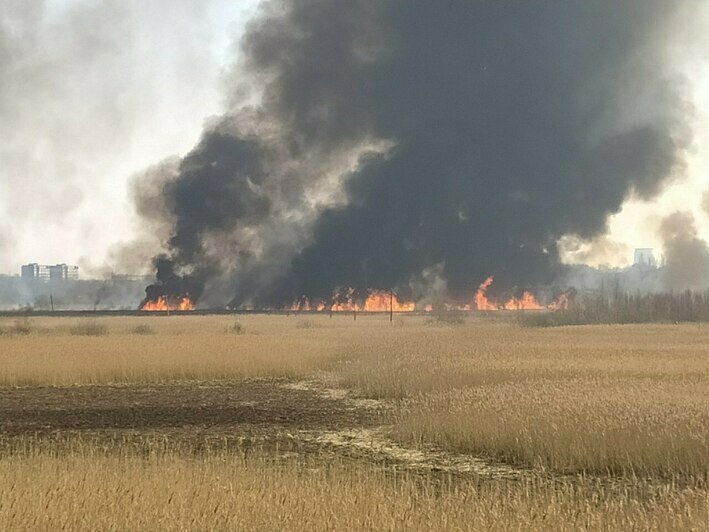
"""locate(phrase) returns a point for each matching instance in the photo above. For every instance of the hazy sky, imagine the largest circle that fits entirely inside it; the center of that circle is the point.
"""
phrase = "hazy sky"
(638, 223)
(92, 92)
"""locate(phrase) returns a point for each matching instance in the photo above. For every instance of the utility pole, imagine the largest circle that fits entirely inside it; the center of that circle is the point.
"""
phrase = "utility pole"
(391, 305)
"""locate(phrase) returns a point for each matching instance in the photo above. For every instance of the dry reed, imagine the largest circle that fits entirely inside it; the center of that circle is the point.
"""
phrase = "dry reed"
(617, 399)
(630, 400)
(91, 490)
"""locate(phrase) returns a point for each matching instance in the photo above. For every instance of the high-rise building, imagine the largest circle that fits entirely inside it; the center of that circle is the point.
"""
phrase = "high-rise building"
(63, 272)
(44, 273)
(645, 257)
(34, 271)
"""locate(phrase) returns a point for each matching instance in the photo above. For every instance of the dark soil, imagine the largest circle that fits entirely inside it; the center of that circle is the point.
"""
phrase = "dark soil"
(266, 413)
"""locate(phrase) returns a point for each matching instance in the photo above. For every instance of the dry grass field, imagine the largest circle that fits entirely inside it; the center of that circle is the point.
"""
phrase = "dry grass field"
(630, 400)
(80, 492)
(58, 351)
(306, 422)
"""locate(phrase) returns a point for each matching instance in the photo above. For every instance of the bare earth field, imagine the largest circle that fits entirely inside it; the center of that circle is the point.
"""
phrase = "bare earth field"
(306, 422)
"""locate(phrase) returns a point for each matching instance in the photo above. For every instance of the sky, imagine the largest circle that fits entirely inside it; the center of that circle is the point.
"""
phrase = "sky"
(94, 92)
(638, 222)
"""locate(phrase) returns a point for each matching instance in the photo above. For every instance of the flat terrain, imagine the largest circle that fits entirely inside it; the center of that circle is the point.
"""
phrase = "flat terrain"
(268, 421)
(224, 408)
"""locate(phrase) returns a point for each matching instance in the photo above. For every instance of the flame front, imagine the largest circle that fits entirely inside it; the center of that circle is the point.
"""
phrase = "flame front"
(561, 303)
(386, 301)
(344, 302)
(526, 302)
(164, 304)
(480, 298)
(376, 301)
(381, 301)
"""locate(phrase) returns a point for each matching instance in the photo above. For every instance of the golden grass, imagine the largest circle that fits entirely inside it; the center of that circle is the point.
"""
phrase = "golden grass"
(409, 361)
(623, 427)
(94, 491)
(632, 401)
(177, 348)
(619, 399)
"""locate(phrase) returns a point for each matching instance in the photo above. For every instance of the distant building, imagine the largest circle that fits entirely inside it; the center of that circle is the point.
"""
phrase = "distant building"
(63, 272)
(645, 257)
(44, 273)
(34, 271)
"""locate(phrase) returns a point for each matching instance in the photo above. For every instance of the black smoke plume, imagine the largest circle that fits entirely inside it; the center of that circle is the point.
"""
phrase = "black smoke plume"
(686, 255)
(171, 287)
(370, 141)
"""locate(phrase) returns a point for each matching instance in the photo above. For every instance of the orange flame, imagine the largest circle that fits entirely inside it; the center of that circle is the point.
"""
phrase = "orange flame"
(302, 304)
(560, 303)
(381, 301)
(385, 301)
(164, 304)
(526, 302)
(480, 298)
(376, 301)
(344, 302)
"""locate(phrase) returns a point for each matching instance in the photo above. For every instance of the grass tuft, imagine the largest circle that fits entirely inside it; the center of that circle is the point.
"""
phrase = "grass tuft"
(89, 328)
(142, 330)
(236, 328)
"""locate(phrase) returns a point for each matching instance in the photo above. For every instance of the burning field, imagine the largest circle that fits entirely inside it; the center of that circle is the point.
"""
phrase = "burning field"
(166, 303)
(325, 189)
(381, 216)
(383, 301)
(170, 294)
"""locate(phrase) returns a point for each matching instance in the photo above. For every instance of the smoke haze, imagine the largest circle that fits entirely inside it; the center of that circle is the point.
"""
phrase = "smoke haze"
(369, 142)
(686, 255)
(406, 144)
(91, 90)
